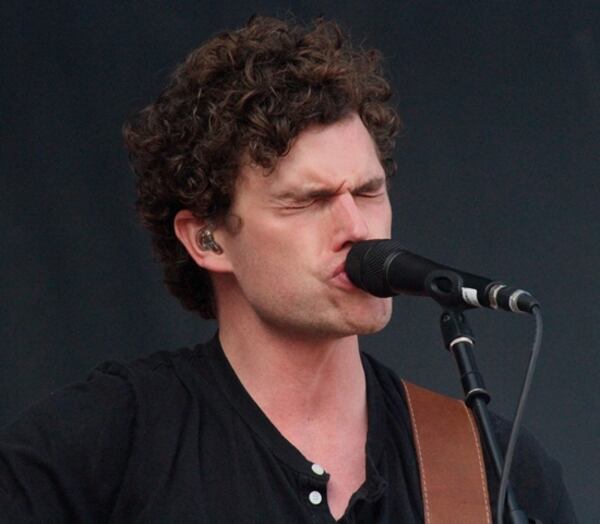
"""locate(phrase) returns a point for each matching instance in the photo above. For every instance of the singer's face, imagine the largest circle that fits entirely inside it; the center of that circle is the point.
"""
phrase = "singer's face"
(294, 227)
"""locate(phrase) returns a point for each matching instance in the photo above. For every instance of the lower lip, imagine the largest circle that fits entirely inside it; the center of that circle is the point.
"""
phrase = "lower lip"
(342, 280)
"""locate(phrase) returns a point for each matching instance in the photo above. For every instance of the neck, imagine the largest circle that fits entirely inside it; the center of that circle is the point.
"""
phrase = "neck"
(296, 379)
(313, 390)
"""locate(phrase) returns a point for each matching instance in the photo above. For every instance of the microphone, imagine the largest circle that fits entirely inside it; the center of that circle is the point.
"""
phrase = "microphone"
(383, 268)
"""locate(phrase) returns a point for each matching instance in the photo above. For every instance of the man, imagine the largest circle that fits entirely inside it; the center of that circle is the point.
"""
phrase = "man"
(258, 168)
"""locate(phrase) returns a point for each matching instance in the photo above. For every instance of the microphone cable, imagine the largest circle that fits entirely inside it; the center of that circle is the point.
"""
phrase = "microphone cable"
(516, 425)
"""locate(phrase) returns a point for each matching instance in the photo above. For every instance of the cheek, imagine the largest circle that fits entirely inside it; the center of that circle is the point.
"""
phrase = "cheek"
(292, 239)
(267, 252)
(379, 220)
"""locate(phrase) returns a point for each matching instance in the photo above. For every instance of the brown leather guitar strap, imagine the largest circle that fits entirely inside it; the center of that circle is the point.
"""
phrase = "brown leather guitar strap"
(453, 480)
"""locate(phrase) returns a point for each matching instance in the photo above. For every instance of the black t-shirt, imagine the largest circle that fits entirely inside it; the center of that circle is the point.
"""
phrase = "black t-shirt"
(175, 438)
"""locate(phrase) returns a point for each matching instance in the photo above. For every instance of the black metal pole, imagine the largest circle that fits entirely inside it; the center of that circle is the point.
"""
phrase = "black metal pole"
(459, 339)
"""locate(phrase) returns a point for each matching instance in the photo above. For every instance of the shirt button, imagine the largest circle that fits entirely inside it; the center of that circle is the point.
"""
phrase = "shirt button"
(317, 469)
(315, 498)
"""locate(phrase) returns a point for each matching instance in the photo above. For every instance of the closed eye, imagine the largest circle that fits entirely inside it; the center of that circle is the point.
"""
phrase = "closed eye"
(370, 195)
(300, 206)
(323, 200)
(304, 204)
(375, 196)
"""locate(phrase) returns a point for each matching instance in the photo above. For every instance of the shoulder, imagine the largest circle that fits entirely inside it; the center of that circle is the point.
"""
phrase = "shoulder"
(160, 381)
(110, 396)
(385, 376)
(535, 476)
(155, 370)
(92, 432)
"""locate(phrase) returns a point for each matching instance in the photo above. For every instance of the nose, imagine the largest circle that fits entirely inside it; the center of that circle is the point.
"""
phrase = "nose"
(348, 222)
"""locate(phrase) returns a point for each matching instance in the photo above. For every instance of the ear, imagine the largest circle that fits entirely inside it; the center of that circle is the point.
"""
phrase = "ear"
(188, 228)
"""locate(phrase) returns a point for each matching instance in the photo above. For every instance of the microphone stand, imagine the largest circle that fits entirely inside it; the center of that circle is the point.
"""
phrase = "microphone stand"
(459, 340)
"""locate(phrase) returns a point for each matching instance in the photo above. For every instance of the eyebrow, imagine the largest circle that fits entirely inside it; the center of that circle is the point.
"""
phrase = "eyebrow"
(304, 195)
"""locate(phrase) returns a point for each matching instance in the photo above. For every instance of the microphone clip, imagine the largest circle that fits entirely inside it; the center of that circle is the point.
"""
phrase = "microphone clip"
(447, 288)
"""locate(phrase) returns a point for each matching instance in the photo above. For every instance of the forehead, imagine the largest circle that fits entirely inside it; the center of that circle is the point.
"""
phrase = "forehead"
(342, 154)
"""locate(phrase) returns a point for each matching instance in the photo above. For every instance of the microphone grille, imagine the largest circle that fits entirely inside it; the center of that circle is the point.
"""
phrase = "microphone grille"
(366, 268)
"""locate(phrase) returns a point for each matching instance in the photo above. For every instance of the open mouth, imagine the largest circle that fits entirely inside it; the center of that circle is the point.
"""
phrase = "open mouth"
(340, 277)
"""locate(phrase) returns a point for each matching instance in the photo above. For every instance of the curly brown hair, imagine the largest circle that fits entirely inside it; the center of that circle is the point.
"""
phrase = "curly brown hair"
(245, 93)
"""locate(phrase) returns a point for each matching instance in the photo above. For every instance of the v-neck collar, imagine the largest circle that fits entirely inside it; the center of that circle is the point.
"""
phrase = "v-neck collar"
(259, 423)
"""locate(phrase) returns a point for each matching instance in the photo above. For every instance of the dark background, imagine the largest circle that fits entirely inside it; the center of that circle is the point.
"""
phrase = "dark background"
(498, 174)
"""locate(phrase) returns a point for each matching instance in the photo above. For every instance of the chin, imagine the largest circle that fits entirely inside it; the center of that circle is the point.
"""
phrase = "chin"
(369, 328)
(362, 318)
(337, 328)
(373, 320)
